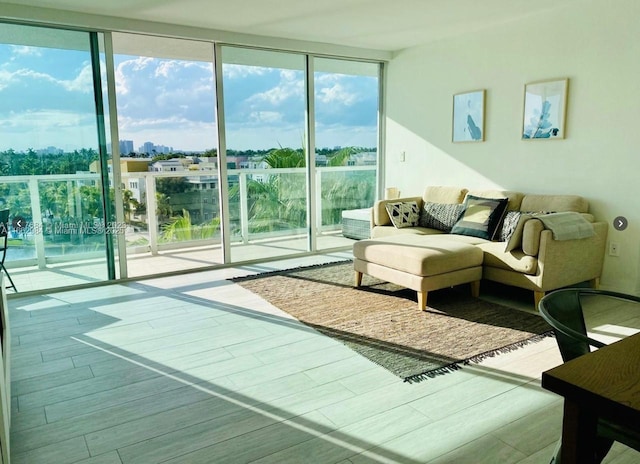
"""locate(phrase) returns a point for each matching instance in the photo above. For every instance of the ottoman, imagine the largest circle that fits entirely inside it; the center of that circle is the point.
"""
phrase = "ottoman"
(356, 223)
(419, 262)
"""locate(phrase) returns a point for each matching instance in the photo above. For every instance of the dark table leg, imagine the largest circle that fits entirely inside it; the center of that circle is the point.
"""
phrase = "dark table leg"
(579, 432)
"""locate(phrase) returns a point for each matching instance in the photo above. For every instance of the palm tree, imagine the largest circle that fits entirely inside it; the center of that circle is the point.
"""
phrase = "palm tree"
(341, 157)
(181, 229)
(285, 158)
(278, 203)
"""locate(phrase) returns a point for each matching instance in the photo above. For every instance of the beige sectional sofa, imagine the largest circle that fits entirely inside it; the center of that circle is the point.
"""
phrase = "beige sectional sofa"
(523, 252)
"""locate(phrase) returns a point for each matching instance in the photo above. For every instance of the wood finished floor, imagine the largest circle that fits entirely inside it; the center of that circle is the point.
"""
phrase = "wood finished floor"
(194, 369)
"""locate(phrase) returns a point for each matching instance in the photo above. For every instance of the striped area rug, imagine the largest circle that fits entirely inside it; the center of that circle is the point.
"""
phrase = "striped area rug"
(381, 321)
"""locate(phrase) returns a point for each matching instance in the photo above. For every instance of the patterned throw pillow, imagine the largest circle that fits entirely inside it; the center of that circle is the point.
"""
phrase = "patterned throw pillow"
(481, 217)
(403, 214)
(515, 240)
(440, 216)
(509, 225)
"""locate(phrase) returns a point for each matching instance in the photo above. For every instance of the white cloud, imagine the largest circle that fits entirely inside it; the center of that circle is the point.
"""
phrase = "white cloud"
(151, 91)
(343, 89)
(237, 71)
(23, 50)
(42, 128)
(266, 117)
(165, 68)
(279, 94)
(83, 82)
(6, 78)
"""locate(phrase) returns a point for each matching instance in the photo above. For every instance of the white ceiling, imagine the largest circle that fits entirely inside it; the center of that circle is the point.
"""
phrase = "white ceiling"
(388, 25)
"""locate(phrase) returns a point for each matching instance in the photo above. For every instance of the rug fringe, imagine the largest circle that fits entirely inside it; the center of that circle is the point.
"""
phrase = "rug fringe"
(449, 368)
(509, 348)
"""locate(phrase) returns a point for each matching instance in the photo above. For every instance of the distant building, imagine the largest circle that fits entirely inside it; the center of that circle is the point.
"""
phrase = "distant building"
(321, 160)
(126, 147)
(365, 158)
(127, 166)
(256, 163)
(50, 151)
(149, 148)
(170, 165)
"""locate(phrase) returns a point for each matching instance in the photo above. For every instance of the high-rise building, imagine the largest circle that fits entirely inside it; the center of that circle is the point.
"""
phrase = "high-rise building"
(126, 147)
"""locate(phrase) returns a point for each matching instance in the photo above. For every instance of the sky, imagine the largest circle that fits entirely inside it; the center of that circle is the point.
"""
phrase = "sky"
(46, 99)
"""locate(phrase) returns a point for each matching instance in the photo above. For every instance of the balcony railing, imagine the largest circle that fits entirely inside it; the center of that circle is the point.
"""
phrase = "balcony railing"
(64, 217)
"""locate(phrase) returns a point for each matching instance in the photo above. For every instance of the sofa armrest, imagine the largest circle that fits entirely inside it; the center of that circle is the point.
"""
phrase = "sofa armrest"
(531, 236)
(532, 229)
(568, 262)
(380, 217)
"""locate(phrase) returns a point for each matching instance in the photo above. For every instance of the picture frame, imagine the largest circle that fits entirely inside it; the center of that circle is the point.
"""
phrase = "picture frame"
(545, 109)
(468, 116)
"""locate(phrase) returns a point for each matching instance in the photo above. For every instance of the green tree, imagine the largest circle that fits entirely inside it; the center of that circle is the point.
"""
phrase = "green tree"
(181, 229)
(341, 157)
(277, 203)
(170, 185)
(163, 207)
(285, 158)
(127, 199)
(54, 198)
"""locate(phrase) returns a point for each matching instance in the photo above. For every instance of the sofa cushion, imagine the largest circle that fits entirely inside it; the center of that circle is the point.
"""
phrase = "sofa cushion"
(403, 213)
(515, 198)
(481, 217)
(389, 231)
(554, 203)
(444, 194)
(440, 216)
(517, 261)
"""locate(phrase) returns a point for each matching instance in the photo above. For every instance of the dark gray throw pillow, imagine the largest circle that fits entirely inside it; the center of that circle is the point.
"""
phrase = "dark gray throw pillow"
(441, 216)
(481, 217)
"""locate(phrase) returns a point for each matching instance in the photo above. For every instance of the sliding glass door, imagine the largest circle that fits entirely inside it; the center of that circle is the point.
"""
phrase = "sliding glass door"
(168, 153)
(264, 111)
(346, 102)
(298, 146)
(51, 142)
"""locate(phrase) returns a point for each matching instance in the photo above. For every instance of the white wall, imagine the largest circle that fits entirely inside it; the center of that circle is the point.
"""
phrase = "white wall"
(596, 44)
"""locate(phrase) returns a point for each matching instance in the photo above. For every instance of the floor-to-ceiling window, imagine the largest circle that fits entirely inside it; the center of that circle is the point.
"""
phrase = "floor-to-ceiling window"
(264, 111)
(346, 102)
(158, 194)
(165, 93)
(51, 141)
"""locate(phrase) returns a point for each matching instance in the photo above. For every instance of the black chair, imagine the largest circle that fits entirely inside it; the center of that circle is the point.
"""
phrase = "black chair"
(4, 237)
(562, 309)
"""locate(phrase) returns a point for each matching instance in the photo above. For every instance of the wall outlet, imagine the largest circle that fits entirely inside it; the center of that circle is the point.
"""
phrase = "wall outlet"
(614, 249)
(402, 157)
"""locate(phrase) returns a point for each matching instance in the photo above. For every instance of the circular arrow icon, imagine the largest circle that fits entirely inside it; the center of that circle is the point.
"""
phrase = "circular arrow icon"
(620, 223)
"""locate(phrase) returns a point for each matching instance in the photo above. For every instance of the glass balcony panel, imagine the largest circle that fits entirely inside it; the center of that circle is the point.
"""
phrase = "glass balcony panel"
(72, 218)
